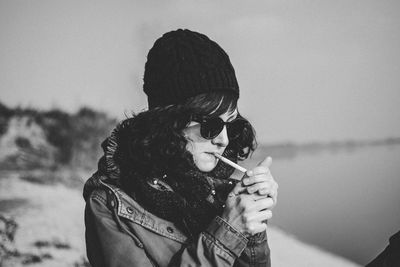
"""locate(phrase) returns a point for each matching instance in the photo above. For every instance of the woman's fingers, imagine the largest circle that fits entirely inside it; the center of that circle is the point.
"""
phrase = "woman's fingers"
(255, 222)
(263, 215)
(260, 180)
(262, 167)
(265, 187)
(256, 228)
(257, 170)
(256, 179)
(248, 212)
(264, 203)
(273, 193)
(238, 189)
(257, 202)
(266, 162)
(256, 197)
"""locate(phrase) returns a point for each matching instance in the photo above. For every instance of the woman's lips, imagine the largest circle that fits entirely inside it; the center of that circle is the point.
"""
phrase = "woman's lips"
(212, 154)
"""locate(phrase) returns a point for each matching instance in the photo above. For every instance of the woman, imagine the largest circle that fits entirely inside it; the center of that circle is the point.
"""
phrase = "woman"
(161, 197)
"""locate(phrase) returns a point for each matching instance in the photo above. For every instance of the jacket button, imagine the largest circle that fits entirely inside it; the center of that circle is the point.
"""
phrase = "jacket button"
(112, 203)
(170, 230)
(129, 210)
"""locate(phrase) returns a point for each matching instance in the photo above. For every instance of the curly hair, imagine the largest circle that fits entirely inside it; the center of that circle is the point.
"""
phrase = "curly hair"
(152, 142)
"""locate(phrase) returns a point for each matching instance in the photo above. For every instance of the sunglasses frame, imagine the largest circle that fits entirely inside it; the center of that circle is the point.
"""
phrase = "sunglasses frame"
(221, 124)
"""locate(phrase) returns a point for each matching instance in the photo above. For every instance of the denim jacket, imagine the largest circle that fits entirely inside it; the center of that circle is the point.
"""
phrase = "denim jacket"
(120, 232)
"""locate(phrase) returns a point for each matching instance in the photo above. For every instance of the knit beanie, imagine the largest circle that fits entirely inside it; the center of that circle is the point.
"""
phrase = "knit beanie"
(183, 64)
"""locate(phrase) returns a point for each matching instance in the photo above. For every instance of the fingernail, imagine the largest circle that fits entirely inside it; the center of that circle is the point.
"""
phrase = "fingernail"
(245, 181)
(249, 173)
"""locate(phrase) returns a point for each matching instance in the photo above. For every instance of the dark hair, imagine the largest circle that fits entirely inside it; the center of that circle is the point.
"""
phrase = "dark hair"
(217, 103)
(152, 141)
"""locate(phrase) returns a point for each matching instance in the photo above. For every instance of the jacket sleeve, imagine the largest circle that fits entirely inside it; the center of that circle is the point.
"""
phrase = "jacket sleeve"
(219, 245)
(256, 253)
(227, 247)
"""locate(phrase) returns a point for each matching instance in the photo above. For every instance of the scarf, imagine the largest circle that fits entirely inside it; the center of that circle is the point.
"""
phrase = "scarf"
(195, 199)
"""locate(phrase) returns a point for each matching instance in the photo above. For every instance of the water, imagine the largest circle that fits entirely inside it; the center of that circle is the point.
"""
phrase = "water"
(345, 201)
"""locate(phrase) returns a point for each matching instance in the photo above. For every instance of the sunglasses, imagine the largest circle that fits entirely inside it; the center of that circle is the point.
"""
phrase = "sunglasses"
(212, 127)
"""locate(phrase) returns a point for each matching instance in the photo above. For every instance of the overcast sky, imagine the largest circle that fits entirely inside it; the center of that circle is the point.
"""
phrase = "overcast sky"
(308, 70)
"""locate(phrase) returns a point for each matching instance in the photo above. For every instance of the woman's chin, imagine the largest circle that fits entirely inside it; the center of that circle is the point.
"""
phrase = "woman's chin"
(206, 166)
(205, 162)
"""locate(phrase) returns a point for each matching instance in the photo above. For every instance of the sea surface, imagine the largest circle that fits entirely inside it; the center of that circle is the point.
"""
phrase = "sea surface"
(344, 200)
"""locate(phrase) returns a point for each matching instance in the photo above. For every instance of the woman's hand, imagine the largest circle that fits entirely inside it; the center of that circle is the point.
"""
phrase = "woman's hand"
(260, 181)
(246, 212)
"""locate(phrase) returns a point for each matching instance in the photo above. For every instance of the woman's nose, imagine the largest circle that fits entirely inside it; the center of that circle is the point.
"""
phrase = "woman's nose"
(221, 139)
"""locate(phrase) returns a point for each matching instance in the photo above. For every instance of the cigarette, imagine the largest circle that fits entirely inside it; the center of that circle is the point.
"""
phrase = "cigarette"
(233, 164)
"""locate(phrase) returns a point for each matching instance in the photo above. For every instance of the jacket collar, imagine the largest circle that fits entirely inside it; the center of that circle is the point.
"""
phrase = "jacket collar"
(128, 208)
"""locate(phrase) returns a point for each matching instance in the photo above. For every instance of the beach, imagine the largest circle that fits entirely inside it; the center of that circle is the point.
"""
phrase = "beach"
(51, 226)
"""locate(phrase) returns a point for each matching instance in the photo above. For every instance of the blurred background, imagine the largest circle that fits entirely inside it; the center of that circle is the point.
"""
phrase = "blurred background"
(319, 81)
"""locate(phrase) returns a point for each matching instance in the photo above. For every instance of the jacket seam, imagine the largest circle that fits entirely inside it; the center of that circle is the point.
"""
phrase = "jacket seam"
(100, 198)
(141, 219)
(230, 228)
(218, 244)
(253, 255)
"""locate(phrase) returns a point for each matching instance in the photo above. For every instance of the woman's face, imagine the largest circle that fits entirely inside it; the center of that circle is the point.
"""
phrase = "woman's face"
(203, 149)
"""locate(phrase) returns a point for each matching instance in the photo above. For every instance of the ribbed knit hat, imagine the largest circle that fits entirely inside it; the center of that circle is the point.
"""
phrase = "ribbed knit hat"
(183, 64)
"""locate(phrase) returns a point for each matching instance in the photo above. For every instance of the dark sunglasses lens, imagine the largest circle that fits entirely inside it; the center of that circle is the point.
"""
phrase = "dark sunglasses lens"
(211, 128)
(236, 128)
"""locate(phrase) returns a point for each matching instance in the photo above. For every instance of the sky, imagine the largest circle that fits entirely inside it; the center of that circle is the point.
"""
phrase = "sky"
(308, 70)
